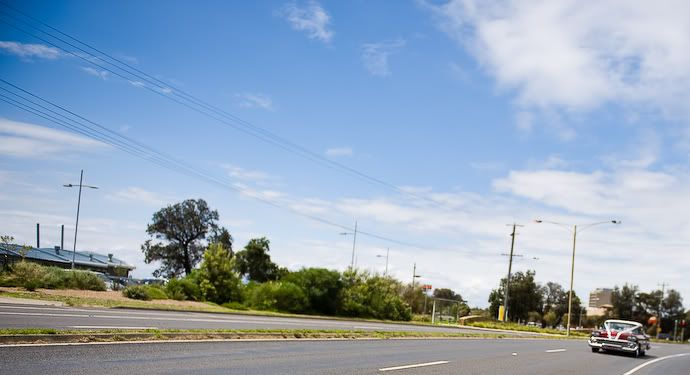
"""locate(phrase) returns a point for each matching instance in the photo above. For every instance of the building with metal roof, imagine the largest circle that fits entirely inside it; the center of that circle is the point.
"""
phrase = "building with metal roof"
(57, 257)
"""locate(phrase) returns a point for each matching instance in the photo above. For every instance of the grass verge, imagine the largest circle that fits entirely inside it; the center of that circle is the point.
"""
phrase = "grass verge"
(522, 328)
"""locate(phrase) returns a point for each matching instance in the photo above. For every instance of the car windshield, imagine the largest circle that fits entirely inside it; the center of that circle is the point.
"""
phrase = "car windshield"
(618, 326)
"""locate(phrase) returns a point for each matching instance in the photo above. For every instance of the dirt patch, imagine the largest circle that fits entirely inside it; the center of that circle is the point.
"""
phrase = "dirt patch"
(107, 296)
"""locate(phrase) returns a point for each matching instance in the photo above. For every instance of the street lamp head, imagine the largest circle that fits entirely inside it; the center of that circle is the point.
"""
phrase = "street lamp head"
(417, 275)
(538, 221)
(68, 185)
(344, 233)
(615, 221)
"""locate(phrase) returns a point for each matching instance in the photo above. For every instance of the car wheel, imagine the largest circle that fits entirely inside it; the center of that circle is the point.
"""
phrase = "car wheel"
(595, 350)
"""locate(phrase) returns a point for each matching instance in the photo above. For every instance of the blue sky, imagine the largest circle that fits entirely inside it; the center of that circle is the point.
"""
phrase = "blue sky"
(501, 111)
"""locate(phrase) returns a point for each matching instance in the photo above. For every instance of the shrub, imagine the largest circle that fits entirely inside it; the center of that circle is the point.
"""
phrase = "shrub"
(280, 296)
(218, 280)
(321, 286)
(137, 292)
(369, 296)
(156, 291)
(82, 280)
(185, 289)
(29, 275)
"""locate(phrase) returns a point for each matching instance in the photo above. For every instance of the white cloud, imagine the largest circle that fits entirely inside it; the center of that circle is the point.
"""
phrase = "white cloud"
(575, 56)
(311, 18)
(102, 74)
(28, 51)
(339, 151)
(375, 56)
(138, 195)
(246, 174)
(19, 139)
(249, 100)
(137, 83)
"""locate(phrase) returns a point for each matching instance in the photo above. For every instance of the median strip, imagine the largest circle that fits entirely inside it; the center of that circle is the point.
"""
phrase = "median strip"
(413, 366)
(107, 334)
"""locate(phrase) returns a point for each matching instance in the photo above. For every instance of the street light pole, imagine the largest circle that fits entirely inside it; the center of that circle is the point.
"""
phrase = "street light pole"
(572, 263)
(76, 225)
(354, 241)
(385, 273)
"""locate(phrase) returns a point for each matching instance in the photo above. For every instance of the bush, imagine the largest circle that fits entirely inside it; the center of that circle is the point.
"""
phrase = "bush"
(373, 297)
(140, 292)
(185, 289)
(156, 291)
(82, 280)
(218, 280)
(279, 296)
(31, 276)
(321, 286)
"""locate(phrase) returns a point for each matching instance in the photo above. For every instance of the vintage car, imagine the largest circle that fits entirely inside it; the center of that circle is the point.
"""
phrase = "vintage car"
(621, 336)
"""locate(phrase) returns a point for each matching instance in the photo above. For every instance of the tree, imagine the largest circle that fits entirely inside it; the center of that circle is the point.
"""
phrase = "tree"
(624, 301)
(552, 293)
(255, 262)
(218, 280)
(446, 293)
(525, 296)
(182, 225)
(368, 296)
(223, 237)
(321, 286)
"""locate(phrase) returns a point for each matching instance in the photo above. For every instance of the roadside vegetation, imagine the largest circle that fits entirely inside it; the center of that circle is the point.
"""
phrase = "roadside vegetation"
(31, 276)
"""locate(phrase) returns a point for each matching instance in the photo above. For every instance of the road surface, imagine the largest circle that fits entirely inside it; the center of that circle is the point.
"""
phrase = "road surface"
(23, 316)
(440, 356)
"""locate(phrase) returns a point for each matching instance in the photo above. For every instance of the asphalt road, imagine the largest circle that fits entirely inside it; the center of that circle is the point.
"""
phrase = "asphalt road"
(22, 316)
(469, 356)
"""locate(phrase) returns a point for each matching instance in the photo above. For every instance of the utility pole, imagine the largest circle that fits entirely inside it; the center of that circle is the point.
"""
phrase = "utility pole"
(76, 225)
(572, 276)
(506, 294)
(661, 300)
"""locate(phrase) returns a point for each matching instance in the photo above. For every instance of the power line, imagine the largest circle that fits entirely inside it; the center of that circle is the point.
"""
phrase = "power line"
(61, 116)
(192, 102)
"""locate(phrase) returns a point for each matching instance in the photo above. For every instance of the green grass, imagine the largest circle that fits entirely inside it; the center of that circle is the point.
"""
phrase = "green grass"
(522, 328)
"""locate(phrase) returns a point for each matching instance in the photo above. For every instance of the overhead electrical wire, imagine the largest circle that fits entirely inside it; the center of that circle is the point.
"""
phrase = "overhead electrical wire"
(122, 69)
(29, 102)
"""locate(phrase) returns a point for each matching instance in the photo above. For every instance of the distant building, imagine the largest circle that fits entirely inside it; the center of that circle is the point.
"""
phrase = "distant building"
(600, 297)
(57, 257)
(599, 301)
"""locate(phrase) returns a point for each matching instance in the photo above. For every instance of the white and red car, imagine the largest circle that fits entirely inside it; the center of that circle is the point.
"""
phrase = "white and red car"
(622, 336)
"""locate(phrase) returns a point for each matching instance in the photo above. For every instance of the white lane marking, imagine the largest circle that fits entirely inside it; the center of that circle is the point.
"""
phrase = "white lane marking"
(413, 366)
(373, 327)
(636, 369)
(111, 327)
(555, 350)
